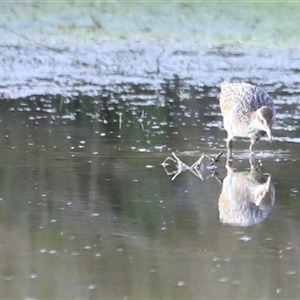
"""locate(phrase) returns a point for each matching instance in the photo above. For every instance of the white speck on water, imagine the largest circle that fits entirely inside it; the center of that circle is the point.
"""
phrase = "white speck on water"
(164, 228)
(223, 279)
(92, 287)
(53, 221)
(53, 251)
(75, 253)
(181, 283)
(33, 276)
(159, 147)
(245, 238)
(143, 150)
(102, 134)
(95, 215)
(69, 137)
(95, 153)
(290, 273)
(82, 142)
(8, 278)
(278, 290)
(120, 250)
(98, 254)
(87, 247)
(149, 166)
(43, 250)
(135, 180)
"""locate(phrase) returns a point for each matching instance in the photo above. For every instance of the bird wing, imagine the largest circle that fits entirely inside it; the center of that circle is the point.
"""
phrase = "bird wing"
(258, 98)
(226, 97)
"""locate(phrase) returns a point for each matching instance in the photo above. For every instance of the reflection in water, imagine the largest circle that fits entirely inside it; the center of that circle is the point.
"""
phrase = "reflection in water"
(246, 197)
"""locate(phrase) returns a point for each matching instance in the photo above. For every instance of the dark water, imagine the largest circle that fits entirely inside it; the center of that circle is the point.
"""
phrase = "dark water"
(88, 212)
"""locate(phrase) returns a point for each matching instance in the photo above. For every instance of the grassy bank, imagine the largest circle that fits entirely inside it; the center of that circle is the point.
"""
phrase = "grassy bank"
(253, 24)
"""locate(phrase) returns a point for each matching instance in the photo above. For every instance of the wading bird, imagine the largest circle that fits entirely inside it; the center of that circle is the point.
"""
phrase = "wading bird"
(247, 110)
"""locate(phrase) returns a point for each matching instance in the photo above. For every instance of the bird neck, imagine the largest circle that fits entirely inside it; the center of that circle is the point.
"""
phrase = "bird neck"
(254, 124)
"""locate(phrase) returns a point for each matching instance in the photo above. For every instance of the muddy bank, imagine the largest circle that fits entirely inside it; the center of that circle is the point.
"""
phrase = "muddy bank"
(73, 48)
(88, 70)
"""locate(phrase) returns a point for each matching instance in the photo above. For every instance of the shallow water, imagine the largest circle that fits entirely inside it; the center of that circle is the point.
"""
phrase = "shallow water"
(87, 210)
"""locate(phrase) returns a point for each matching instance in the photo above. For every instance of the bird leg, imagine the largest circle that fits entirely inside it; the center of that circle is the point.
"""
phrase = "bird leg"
(229, 145)
(253, 141)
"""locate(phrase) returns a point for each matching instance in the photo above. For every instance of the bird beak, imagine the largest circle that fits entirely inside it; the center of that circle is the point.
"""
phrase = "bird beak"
(269, 135)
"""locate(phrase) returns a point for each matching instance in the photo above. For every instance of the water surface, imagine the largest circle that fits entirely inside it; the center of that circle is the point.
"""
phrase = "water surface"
(87, 210)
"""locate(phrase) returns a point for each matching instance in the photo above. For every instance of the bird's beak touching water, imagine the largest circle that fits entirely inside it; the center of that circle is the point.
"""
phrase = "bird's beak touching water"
(269, 134)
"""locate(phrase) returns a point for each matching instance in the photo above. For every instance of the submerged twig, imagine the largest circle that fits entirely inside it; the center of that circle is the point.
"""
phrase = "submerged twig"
(120, 119)
(197, 168)
(158, 60)
(140, 119)
(180, 166)
(216, 159)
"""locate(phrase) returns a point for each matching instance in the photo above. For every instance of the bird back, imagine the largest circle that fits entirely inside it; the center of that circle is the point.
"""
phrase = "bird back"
(238, 102)
(243, 97)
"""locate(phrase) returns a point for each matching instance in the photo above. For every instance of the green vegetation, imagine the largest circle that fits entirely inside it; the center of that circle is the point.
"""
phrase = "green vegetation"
(207, 23)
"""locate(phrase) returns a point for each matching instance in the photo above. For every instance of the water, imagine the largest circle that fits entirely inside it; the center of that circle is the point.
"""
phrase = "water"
(87, 210)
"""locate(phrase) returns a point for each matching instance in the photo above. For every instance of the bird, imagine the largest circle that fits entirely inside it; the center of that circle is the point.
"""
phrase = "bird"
(248, 111)
(246, 197)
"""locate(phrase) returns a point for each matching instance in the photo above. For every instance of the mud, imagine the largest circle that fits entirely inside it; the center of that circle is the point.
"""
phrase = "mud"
(92, 69)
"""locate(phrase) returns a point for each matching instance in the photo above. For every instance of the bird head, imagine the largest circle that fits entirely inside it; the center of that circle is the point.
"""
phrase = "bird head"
(265, 119)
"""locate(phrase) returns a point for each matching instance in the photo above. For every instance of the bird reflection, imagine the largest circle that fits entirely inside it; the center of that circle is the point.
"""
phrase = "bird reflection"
(246, 197)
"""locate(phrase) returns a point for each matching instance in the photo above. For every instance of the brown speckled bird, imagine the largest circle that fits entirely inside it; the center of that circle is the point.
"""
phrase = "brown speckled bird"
(246, 197)
(247, 111)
